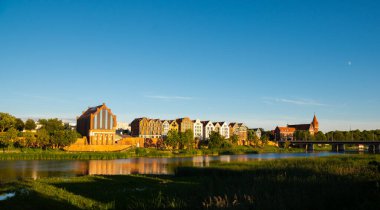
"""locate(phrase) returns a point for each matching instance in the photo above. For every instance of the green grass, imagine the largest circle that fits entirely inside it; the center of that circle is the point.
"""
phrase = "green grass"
(341, 182)
(39, 154)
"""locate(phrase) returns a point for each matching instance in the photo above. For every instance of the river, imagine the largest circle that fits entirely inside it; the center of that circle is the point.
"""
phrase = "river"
(34, 169)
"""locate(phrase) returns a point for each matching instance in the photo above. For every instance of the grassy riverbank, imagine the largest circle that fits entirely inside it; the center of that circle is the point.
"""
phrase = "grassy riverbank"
(39, 154)
(343, 182)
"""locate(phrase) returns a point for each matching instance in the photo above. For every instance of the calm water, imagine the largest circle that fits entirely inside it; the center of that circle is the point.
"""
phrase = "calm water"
(15, 169)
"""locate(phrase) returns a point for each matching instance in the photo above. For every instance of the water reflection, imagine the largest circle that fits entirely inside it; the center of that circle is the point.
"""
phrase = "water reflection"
(11, 170)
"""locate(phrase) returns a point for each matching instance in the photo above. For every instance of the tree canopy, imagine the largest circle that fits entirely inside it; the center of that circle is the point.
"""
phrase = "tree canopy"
(30, 124)
(6, 121)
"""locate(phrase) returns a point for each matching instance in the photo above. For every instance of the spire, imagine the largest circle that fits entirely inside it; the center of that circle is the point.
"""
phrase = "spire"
(315, 123)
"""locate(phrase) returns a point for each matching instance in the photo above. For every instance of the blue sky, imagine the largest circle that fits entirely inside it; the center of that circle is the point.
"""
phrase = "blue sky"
(264, 63)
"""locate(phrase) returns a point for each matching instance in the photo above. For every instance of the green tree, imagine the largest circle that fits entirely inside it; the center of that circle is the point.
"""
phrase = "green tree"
(19, 124)
(6, 121)
(43, 138)
(51, 125)
(30, 125)
(320, 136)
(30, 139)
(338, 136)
(186, 139)
(264, 140)
(234, 138)
(172, 139)
(253, 138)
(215, 140)
(62, 138)
(8, 138)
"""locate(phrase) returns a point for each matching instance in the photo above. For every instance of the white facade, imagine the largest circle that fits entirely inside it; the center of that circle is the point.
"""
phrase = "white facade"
(224, 130)
(165, 127)
(198, 129)
(123, 125)
(208, 127)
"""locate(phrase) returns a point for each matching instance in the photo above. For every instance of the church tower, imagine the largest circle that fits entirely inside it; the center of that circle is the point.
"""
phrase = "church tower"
(315, 124)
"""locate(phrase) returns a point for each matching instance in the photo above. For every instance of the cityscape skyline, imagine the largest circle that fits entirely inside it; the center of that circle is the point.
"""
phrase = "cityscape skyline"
(265, 64)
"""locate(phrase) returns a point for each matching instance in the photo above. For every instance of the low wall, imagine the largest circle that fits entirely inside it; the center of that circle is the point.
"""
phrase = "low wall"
(132, 141)
(96, 148)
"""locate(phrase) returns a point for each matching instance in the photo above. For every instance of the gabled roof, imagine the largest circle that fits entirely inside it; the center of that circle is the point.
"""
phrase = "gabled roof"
(302, 127)
(91, 110)
(286, 129)
(206, 122)
(216, 123)
(232, 124)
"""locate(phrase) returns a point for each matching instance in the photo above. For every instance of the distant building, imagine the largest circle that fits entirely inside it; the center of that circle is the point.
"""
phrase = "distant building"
(284, 133)
(184, 124)
(312, 127)
(257, 132)
(165, 127)
(287, 133)
(224, 130)
(173, 125)
(216, 127)
(146, 128)
(208, 127)
(98, 124)
(123, 126)
(240, 130)
(198, 129)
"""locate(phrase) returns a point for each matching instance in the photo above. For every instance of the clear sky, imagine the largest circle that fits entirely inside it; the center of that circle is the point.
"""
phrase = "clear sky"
(264, 63)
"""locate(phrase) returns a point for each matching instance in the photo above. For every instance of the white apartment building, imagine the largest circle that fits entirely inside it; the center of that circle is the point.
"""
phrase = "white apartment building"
(224, 130)
(165, 127)
(208, 127)
(198, 129)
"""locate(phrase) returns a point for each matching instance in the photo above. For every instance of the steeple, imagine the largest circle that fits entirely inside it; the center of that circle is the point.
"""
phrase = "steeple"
(315, 124)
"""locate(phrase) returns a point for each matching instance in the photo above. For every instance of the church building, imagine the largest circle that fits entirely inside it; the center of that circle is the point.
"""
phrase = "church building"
(98, 124)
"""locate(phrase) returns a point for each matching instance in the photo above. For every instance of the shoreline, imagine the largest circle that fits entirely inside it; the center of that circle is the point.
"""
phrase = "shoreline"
(38, 154)
(258, 185)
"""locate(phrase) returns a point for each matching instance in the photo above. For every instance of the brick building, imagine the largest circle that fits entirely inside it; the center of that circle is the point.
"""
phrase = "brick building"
(98, 124)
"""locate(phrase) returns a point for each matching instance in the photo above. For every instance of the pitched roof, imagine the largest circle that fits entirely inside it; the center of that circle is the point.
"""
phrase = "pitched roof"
(90, 111)
(286, 129)
(205, 122)
(302, 127)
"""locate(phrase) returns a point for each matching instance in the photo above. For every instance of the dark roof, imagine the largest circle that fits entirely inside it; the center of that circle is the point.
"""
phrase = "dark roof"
(205, 122)
(301, 127)
(90, 111)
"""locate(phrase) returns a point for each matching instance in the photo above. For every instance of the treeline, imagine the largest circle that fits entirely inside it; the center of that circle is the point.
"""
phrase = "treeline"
(53, 133)
(355, 135)
(177, 140)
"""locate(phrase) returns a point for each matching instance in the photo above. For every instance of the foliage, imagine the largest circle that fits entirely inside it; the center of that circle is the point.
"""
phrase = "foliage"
(234, 138)
(8, 138)
(303, 136)
(62, 138)
(253, 138)
(19, 124)
(6, 121)
(30, 124)
(43, 138)
(186, 139)
(320, 136)
(264, 140)
(51, 125)
(172, 139)
(354, 135)
(30, 139)
(217, 141)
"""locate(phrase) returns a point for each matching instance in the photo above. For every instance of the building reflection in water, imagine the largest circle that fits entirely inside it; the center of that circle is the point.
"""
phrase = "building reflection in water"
(128, 166)
(12, 170)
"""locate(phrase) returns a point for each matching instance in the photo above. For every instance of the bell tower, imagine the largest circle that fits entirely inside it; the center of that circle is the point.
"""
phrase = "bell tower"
(315, 124)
